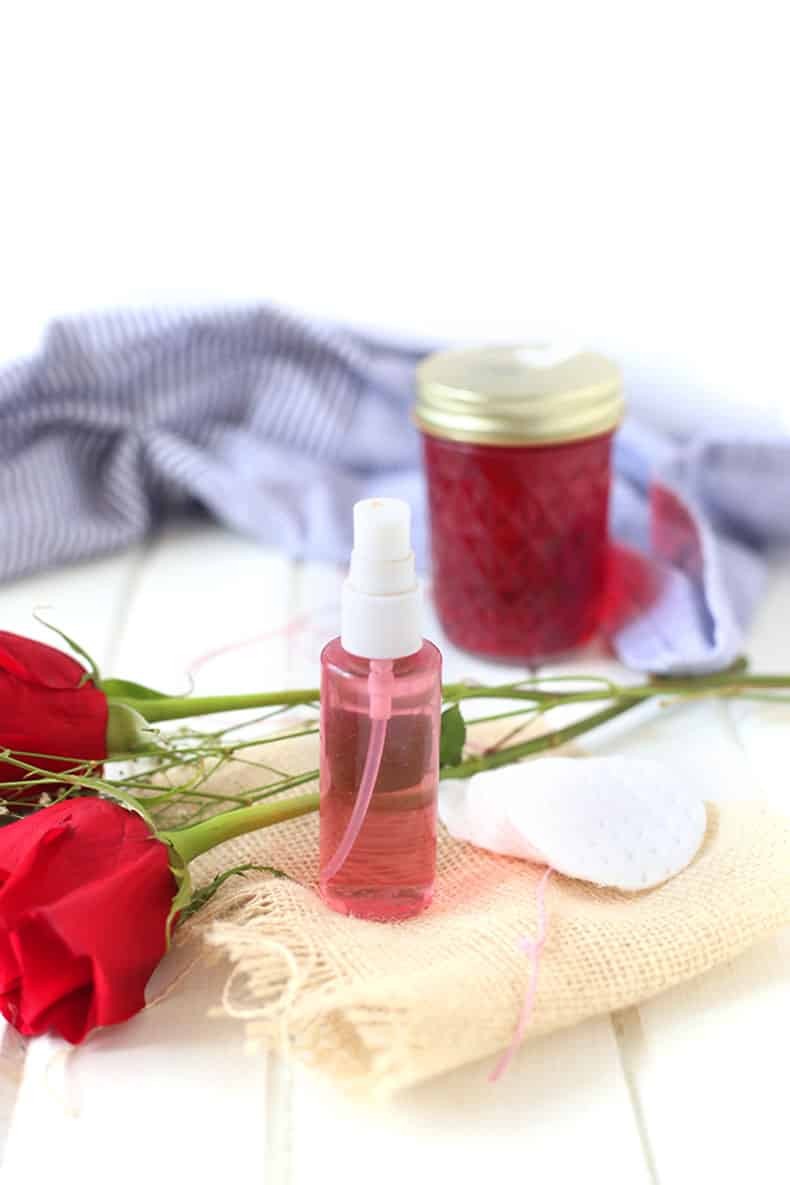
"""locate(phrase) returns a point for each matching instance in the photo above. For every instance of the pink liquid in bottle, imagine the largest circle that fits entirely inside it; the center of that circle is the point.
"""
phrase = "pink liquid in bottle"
(389, 872)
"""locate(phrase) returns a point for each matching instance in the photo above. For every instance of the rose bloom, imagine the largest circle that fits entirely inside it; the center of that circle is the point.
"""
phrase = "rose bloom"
(47, 706)
(85, 893)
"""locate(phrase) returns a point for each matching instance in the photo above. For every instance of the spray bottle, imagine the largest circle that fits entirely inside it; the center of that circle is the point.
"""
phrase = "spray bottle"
(380, 722)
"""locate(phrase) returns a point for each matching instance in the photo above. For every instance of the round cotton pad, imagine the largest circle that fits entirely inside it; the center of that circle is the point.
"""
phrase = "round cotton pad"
(614, 821)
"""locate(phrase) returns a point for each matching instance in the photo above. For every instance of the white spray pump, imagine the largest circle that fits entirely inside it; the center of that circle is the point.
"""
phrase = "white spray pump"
(380, 613)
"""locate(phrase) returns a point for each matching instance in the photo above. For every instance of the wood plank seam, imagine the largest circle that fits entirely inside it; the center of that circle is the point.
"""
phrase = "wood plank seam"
(627, 1027)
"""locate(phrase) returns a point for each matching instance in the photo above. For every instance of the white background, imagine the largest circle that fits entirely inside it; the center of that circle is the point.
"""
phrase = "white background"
(612, 171)
(617, 171)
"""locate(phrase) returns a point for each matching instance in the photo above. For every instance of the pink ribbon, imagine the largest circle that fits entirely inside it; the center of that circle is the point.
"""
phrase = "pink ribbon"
(534, 949)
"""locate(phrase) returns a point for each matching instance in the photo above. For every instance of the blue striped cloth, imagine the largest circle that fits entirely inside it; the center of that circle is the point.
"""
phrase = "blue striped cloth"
(275, 425)
(271, 423)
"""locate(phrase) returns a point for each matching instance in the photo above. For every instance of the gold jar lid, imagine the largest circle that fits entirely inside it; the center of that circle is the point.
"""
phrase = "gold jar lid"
(518, 395)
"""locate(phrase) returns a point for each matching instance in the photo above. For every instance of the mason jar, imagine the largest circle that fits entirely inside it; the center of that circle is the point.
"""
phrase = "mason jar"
(517, 449)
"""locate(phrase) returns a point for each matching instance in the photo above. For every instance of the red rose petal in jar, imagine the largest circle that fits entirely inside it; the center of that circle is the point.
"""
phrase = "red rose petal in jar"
(517, 447)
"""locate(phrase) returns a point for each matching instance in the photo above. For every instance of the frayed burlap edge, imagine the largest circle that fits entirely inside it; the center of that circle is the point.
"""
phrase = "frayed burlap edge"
(380, 1007)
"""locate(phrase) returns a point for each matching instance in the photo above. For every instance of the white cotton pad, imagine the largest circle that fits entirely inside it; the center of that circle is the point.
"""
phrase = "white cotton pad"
(621, 822)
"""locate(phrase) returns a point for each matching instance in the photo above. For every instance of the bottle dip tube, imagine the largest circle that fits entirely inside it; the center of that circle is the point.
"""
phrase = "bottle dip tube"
(380, 722)
(517, 444)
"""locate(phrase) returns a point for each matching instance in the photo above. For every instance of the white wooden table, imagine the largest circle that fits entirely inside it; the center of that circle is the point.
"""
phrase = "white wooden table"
(691, 1087)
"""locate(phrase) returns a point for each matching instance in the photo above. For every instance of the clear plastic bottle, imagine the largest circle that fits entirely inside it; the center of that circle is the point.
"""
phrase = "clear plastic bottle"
(380, 722)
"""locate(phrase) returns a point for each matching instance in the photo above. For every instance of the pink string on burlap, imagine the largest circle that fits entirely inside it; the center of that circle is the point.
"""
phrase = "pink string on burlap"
(534, 949)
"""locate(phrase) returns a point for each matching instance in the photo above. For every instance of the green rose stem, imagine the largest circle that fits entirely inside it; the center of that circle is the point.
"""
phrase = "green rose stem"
(193, 841)
(178, 707)
(727, 683)
(539, 744)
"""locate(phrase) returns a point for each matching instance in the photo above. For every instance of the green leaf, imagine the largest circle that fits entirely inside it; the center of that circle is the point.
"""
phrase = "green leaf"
(201, 896)
(453, 736)
(93, 670)
(125, 688)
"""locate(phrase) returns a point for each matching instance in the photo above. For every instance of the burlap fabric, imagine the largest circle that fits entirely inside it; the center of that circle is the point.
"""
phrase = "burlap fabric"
(380, 1007)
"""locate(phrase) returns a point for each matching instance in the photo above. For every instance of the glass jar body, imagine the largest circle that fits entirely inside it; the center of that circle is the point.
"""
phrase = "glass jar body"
(389, 872)
(519, 541)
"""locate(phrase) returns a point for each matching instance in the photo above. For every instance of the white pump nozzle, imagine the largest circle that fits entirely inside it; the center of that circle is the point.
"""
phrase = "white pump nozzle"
(380, 614)
(382, 528)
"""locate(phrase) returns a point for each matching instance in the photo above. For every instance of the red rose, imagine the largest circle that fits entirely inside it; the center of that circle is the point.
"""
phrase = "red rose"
(85, 893)
(47, 706)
